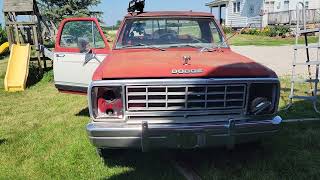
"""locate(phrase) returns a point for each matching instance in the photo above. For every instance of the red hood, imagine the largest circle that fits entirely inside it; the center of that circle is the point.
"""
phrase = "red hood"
(128, 64)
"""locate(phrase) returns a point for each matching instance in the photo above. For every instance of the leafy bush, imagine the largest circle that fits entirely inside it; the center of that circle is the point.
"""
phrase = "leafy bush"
(3, 36)
(251, 31)
(272, 31)
(227, 30)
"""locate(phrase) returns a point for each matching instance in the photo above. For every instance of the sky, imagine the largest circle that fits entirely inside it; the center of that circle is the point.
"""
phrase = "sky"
(116, 9)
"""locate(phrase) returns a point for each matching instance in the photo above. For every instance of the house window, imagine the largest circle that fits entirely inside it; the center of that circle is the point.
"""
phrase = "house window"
(306, 5)
(270, 6)
(236, 7)
(286, 5)
(251, 10)
(279, 5)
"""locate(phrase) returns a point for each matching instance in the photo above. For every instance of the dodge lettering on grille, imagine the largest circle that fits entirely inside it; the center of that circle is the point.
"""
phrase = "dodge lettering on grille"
(187, 71)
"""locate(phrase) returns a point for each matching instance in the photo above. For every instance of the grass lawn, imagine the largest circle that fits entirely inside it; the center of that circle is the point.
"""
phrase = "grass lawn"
(3, 69)
(42, 136)
(246, 40)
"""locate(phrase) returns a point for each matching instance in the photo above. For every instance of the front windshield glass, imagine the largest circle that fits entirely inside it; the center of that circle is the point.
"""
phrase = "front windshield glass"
(171, 32)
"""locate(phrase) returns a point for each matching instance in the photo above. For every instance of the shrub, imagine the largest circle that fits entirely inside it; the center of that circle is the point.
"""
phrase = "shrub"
(3, 36)
(278, 31)
(268, 31)
(227, 30)
(251, 31)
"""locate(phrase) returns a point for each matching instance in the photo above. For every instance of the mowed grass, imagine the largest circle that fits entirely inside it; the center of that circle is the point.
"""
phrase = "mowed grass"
(246, 40)
(291, 154)
(42, 136)
(3, 69)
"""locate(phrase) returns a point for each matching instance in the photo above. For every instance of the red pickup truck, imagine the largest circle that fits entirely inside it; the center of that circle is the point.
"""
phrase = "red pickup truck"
(170, 80)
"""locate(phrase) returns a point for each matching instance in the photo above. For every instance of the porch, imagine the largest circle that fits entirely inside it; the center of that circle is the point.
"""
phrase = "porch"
(219, 9)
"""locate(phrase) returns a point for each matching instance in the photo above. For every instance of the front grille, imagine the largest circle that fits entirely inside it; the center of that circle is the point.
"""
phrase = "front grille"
(195, 97)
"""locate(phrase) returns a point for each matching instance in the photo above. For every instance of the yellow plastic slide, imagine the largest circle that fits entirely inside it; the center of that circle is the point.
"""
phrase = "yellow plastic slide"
(4, 47)
(18, 68)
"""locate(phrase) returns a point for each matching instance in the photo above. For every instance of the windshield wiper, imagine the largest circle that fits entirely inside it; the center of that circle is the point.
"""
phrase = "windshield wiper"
(143, 45)
(185, 45)
(213, 49)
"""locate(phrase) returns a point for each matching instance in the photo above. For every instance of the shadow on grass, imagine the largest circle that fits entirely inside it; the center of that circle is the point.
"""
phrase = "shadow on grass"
(150, 165)
(4, 55)
(222, 158)
(84, 113)
(35, 74)
(3, 141)
(157, 163)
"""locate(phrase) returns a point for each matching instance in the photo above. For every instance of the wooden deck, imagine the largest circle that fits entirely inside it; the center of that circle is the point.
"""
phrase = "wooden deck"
(289, 17)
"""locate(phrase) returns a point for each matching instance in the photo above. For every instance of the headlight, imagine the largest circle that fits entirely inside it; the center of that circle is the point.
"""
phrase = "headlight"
(107, 102)
(263, 98)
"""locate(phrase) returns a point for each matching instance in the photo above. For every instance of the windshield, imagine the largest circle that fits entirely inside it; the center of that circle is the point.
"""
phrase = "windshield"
(170, 32)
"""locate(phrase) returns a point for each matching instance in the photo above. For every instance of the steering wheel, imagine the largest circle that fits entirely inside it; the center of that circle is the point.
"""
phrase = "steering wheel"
(168, 36)
(194, 40)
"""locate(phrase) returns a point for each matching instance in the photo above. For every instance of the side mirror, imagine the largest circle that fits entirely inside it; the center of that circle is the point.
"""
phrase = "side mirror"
(84, 45)
(90, 56)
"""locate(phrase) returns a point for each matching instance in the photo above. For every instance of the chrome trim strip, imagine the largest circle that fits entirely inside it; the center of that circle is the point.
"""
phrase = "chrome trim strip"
(161, 82)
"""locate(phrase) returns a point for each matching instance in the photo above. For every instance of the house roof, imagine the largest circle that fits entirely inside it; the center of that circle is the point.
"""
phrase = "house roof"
(216, 2)
(171, 13)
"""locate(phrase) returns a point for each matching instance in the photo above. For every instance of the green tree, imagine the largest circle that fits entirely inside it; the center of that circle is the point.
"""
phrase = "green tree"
(3, 35)
(56, 10)
(118, 23)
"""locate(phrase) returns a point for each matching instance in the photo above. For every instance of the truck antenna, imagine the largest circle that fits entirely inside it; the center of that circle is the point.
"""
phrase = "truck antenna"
(136, 5)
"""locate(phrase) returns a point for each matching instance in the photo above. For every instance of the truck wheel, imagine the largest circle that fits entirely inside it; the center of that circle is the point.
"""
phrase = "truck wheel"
(102, 154)
(99, 152)
(105, 153)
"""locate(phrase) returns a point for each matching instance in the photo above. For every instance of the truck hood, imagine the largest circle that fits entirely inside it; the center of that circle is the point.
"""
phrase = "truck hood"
(129, 64)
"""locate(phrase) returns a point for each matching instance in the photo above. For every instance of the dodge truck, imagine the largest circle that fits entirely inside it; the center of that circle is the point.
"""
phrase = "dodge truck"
(169, 81)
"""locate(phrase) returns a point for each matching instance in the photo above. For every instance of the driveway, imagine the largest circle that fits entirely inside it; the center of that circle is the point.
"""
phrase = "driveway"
(278, 58)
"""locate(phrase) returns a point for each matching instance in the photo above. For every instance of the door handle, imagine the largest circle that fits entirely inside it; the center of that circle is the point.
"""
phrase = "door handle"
(60, 55)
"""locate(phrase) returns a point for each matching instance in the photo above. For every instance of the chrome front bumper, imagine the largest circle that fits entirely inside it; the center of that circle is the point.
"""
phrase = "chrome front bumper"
(180, 136)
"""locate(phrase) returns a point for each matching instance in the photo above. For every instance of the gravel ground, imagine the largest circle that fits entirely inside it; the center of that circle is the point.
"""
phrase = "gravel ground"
(278, 58)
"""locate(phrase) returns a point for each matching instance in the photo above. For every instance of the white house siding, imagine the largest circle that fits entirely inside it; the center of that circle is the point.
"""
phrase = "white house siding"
(254, 18)
(246, 17)
(236, 19)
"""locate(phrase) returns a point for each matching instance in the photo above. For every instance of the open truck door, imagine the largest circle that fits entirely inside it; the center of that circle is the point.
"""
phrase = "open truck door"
(80, 48)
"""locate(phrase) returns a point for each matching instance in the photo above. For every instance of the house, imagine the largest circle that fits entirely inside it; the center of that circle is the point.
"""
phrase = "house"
(258, 13)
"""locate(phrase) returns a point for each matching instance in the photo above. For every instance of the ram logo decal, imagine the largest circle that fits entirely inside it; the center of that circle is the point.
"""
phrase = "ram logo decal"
(187, 71)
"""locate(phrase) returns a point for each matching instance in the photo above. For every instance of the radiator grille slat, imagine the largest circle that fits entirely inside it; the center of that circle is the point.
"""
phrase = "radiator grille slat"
(195, 97)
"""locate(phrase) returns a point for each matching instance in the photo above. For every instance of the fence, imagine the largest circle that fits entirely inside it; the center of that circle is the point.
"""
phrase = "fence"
(289, 17)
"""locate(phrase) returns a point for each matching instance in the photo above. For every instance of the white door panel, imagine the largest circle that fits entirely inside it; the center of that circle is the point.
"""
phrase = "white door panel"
(70, 69)
(80, 48)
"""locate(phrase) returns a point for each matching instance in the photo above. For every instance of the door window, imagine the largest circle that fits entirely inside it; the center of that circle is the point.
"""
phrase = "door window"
(82, 35)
